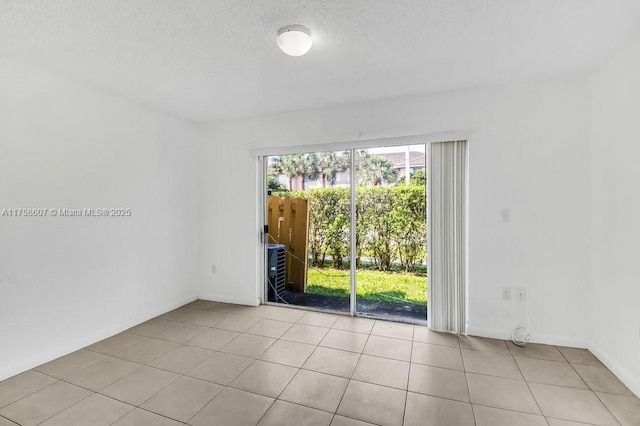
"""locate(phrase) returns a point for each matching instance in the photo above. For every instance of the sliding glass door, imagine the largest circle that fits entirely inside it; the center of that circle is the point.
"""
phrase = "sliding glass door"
(346, 231)
(391, 230)
(308, 219)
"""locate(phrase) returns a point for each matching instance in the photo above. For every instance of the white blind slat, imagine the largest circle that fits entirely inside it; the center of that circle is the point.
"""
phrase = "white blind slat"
(447, 235)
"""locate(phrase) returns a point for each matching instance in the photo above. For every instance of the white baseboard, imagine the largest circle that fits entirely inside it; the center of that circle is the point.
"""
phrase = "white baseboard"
(226, 299)
(630, 381)
(547, 339)
(66, 348)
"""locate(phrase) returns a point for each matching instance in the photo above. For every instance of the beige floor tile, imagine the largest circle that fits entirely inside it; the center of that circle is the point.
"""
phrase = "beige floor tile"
(140, 385)
(436, 355)
(484, 344)
(372, 403)
(233, 407)
(601, 379)
(115, 344)
(346, 421)
(180, 314)
(559, 422)
(440, 382)
(504, 393)
(305, 334)
(97, 410)
(284, 314)
(186, 308)
(269, 328)
(261, 311)
(140, 417)
(146, 351)
(332, 361)
(345, 340)
(356, 325)
(549, 372)
(492, 364)
(220, 368)
(284, 413)
(625, 408)
(487, 416)
(579, 356)
(207, 318)
(387, 347)
(316, 390)
(45, 403)
(428, 410)
(393, 329)
(151, 327)
(382, 371)
(248, 345)
(288, 353)
(424, 335)
(70, 364)
(22, 385)
(571, 404)
(202, 304)
(535, 350)
(265, 378)
(238, 309)
(181, 359)
(239, 323)
(180, 333)
(212, 339)
(7, 422)
(376, 394)
(318, 319)
(183, 398)
(103, 373)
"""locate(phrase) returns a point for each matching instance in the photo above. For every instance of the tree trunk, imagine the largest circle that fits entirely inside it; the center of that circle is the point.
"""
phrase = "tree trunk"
(302, 181)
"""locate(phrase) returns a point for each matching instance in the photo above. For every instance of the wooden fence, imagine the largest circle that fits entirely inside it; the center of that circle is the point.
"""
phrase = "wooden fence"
(288, 220)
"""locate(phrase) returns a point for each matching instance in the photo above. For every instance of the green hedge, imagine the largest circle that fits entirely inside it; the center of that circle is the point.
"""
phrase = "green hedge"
(391, 225)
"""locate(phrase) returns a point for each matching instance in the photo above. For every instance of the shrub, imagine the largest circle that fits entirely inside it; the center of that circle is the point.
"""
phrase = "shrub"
(390, 225)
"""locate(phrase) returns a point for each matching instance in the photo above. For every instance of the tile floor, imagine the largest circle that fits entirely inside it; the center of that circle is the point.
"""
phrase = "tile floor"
(209, 363)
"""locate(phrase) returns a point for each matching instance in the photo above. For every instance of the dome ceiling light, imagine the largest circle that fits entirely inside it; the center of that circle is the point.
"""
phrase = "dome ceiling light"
(294, 40)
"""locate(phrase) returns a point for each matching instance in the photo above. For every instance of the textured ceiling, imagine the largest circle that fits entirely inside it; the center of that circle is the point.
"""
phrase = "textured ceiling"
(215, 59)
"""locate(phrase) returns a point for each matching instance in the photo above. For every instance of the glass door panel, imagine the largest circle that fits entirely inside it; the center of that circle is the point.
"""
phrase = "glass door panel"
(390, 270)
(307, 211)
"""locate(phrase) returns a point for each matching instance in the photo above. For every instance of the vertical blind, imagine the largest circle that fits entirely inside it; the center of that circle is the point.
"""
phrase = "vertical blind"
(447, 181)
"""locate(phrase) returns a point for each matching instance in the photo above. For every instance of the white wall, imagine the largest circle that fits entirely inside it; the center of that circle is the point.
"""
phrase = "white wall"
(614, 313)
(529, 153)
(66, 282)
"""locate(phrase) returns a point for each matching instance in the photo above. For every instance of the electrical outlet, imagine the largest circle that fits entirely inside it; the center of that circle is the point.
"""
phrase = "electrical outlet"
(521, 294)
(506, 294)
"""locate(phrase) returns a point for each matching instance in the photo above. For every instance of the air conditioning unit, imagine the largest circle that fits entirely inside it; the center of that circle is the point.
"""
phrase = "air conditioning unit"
(276, 268)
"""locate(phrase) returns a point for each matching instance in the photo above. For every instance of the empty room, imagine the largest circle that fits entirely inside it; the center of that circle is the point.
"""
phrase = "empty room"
(332, 213)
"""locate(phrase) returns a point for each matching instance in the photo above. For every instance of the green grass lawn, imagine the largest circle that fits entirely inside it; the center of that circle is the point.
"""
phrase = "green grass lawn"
(372, 284)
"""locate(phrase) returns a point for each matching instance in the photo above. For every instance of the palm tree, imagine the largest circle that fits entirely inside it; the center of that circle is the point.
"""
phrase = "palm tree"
(328, 165)
(288, 165)
(295, 165)
(361, 158)
(377, 170)
(311, 169)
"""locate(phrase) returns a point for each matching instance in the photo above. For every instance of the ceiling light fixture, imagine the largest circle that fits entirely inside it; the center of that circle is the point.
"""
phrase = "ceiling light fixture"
(294, 40)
